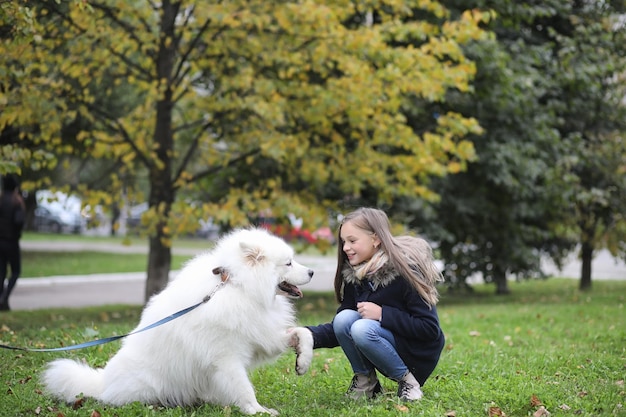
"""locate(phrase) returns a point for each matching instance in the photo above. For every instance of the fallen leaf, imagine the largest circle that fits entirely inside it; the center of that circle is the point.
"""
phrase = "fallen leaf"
(96, 413)
(78, 403)
(541, 412)
(474, 333)
(582, 394)
(496, 412)
(451, 413)
(402, 408)
(25, 380)
(565, 407)
(535, 401)
(38, 410)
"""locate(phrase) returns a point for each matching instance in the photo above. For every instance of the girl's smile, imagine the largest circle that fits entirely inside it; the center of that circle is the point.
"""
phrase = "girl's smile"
(358, 245)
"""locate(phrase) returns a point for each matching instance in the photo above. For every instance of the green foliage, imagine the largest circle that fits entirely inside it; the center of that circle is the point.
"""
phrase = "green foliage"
(591, 64)
(545, 344)
(548, 93)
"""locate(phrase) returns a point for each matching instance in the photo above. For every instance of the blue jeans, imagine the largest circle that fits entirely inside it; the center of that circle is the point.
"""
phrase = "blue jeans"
(368, 345)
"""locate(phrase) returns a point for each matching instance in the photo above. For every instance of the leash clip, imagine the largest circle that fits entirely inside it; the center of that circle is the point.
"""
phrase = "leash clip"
(223, 273)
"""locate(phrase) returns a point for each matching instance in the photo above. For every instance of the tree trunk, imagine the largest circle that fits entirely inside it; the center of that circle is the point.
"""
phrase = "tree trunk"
(585, 274)
(162, 189)
(115, 217)
(31, 204)
(502, 285)
(159, 265)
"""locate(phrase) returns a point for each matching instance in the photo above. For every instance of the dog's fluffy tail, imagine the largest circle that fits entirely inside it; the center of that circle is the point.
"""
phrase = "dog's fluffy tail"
(67, 379)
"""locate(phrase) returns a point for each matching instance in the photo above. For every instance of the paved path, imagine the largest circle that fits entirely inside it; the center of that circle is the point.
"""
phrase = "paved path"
(128, 288)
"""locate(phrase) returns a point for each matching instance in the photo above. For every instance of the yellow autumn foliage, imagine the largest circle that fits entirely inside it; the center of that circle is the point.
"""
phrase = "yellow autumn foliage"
(284, 90)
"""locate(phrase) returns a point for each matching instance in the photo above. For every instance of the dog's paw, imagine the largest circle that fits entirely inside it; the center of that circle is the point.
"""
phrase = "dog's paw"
(272, 412)
(302, 341)
(256, 409)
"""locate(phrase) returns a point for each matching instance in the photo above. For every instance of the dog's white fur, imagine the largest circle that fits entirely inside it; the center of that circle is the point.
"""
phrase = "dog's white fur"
(302, 342)
(205, 355)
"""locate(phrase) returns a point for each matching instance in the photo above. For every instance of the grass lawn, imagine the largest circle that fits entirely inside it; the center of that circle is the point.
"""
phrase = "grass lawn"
(51, 263)
(131, 240)
(46, 264)
(545, 344)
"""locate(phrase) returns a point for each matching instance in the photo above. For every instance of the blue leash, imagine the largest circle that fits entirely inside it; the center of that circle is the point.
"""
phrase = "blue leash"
(151, 326)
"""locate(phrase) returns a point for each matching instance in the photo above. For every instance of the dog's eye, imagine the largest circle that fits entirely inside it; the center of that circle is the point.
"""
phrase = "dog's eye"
(288, 263)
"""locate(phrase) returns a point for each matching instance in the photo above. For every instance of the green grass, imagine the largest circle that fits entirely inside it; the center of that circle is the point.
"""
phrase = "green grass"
(545, 341)
(131, 240)
(45, 264)
(51, 263)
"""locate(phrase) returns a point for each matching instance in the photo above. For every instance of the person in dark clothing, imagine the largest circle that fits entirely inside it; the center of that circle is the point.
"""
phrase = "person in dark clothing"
(12, 214)
(387, 320)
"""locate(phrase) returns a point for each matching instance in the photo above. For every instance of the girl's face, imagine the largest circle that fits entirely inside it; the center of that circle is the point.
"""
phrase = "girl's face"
(359, 245)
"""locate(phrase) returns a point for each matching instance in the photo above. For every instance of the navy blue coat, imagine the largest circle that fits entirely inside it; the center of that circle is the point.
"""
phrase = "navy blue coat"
(415, 325)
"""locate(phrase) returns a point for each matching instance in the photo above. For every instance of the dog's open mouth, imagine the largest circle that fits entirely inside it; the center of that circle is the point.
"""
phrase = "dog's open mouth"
(290, 290)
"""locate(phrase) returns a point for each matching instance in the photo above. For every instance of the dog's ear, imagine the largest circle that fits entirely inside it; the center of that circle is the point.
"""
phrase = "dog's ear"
(252, 254)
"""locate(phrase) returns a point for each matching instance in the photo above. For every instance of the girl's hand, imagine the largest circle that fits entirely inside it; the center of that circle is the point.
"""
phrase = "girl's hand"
(369, 310)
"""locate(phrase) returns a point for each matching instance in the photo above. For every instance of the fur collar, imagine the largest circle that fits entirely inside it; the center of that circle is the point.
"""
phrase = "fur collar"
(381, 278)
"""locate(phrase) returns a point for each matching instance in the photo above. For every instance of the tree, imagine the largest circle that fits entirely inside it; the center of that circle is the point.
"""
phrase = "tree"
(535, 87)
(262, 104)
(590, 100)
(493, 218)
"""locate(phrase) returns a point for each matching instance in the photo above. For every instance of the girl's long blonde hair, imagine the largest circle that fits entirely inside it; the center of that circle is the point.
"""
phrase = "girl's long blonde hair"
(411, 256)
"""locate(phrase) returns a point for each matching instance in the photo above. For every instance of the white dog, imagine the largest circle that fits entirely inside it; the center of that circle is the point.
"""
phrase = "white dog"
(205, 355)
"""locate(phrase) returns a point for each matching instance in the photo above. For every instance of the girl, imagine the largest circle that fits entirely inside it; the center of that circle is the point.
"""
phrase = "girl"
(386, 320)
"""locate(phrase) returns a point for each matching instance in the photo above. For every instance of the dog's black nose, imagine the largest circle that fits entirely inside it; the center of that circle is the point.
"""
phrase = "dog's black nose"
(311, 273)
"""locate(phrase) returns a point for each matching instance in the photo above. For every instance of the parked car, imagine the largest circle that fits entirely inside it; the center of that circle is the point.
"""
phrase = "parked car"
(58, 213)
(206, 228)
(133, 221)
